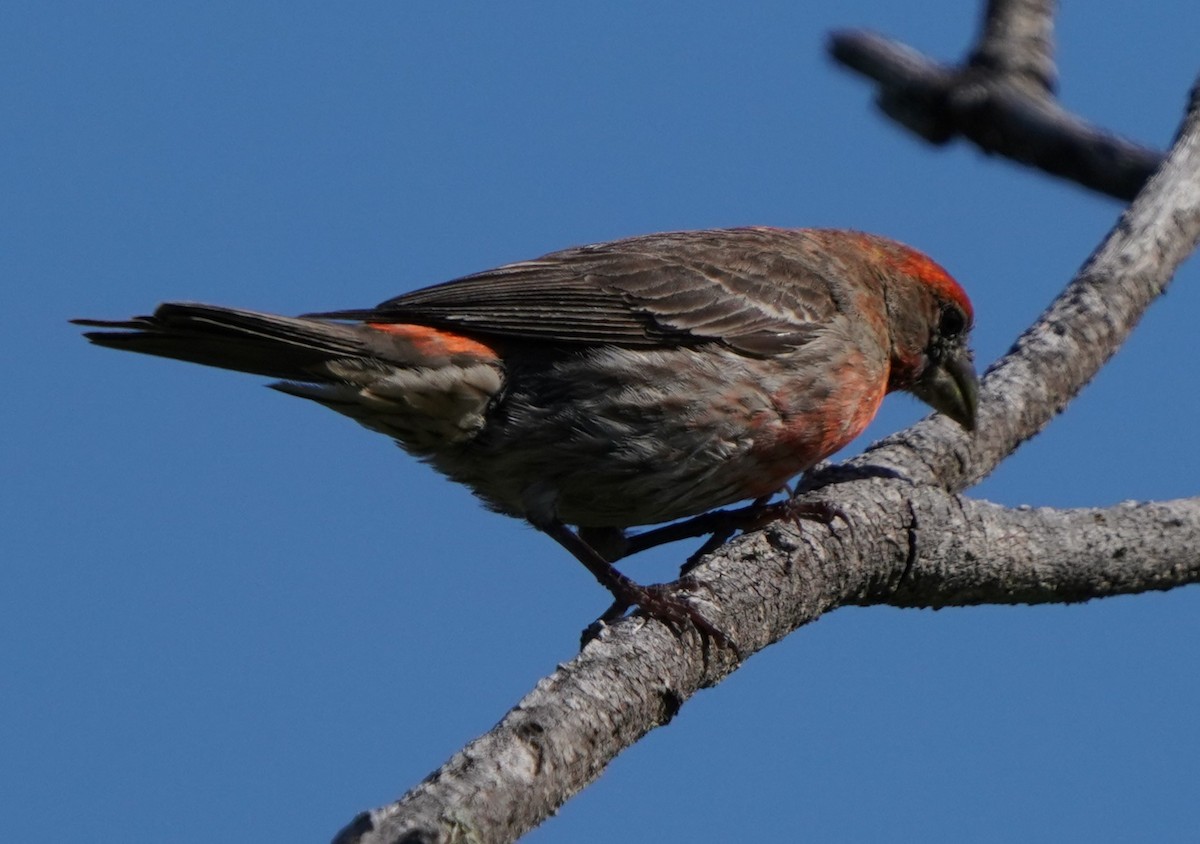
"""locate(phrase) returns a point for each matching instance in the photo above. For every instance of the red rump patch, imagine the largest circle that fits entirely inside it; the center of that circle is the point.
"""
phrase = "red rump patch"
(433, 342)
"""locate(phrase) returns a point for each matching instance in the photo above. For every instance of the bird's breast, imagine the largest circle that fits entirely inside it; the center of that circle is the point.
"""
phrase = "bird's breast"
(816, 413)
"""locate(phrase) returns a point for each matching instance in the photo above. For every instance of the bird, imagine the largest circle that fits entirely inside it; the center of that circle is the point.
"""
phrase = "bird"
(622, 384)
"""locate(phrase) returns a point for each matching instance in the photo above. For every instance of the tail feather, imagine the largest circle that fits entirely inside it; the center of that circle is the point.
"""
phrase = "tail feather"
(291, 348)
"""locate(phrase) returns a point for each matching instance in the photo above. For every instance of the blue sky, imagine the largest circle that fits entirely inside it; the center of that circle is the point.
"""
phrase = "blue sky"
(229, 615)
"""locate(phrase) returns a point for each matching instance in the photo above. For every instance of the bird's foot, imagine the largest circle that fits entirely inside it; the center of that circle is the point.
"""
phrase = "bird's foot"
(793, 510)
(659, 601)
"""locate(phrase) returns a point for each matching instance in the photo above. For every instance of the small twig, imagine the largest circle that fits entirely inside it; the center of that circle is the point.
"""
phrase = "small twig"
(999, 101)
(1017, 42)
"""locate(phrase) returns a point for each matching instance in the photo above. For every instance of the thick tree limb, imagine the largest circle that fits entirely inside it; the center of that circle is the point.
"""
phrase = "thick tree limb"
(1052, 556)
(1000, 99)
(637, 675)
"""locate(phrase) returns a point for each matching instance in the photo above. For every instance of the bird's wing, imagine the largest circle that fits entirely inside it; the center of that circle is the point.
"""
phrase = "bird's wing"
(748, 288)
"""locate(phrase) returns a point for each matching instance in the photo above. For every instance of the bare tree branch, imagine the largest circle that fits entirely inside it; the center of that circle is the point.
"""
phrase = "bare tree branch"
(988, 554)
(1018, 43)
(1000, 99)
(635, 677)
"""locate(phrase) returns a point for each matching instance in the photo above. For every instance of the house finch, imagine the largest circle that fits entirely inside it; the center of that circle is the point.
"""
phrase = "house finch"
(618, 384)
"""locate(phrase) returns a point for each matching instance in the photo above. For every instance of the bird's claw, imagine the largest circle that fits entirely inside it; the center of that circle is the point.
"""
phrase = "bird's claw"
(794, 511)
(661, 602)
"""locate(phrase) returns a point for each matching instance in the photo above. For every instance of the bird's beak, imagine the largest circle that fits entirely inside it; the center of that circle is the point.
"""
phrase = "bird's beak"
(952, 388)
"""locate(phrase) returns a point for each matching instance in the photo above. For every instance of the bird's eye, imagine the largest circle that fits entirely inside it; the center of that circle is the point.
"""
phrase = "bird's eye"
(953, 322)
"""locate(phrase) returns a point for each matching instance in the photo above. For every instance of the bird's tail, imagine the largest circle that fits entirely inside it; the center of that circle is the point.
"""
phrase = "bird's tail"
(425, 387)
(291, 348)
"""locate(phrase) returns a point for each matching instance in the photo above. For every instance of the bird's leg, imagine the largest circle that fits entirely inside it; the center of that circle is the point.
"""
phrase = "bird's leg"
(655, 600)
(614, 544)
(720, 525)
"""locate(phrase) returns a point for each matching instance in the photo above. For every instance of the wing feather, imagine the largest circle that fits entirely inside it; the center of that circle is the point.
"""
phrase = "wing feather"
(756, 290)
